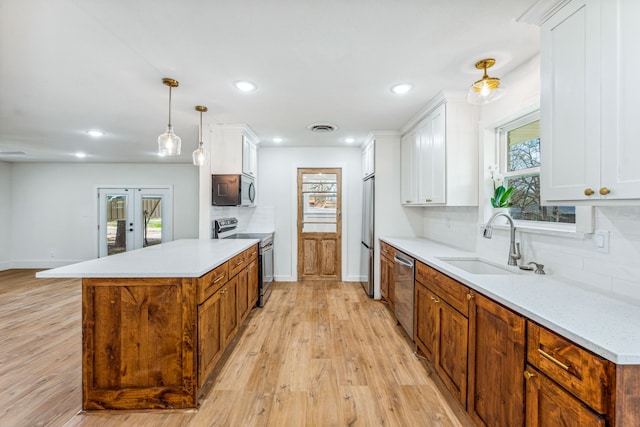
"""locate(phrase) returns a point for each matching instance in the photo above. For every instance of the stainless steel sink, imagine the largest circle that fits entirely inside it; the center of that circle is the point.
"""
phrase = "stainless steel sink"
(475, 265)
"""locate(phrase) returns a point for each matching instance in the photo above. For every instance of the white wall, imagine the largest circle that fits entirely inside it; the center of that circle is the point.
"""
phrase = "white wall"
(277, 175)
(616, 273)
(5, 215)
(54, 206)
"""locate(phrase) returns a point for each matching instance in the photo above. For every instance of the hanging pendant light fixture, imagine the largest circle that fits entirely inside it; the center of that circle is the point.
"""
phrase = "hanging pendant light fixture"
(200, 155)
(169, 144)
(487, 89)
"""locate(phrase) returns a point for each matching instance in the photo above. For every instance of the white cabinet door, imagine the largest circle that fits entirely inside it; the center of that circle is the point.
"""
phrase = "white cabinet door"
(410, 147)
(570, 103)
(620, 123)
(368, 159)
(249, 157)
(431, 182)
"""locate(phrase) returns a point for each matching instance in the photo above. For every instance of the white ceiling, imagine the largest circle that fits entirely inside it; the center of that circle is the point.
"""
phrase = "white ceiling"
(67, 66)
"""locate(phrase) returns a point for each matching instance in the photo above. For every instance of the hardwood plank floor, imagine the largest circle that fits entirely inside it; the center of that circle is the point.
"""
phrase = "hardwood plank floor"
(319, 354)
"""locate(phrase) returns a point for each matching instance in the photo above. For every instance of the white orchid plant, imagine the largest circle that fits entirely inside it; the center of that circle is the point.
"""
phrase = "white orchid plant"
(501, 195)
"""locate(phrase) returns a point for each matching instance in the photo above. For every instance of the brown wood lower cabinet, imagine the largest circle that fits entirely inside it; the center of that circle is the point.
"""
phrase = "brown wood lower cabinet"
(386, 280)
(151, 343)
(548, 405)
(496, 363)
(441, 332)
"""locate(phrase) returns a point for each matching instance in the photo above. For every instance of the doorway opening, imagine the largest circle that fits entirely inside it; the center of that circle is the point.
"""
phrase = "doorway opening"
(320, 224)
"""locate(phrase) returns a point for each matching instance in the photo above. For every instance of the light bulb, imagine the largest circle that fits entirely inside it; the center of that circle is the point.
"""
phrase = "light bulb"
(200, 157)
(169, 144)
(485, 90)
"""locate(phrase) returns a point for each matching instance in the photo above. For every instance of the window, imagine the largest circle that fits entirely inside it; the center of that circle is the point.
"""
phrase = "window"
(519, 143)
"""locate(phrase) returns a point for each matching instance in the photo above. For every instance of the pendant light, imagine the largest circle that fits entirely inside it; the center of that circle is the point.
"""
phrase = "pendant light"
(169, 144)
(487, 89)
(200, 155)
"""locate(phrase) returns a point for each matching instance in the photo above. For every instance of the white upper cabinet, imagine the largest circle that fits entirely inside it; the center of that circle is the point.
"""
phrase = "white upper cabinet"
(368, 158)
(234, 150)
(439, 157)
(589, 103)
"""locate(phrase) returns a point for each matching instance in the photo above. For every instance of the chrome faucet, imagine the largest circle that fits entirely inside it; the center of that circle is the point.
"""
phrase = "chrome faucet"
(514, 248)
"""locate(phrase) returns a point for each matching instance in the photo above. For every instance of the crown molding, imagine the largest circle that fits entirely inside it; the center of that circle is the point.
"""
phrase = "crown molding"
(541, 11)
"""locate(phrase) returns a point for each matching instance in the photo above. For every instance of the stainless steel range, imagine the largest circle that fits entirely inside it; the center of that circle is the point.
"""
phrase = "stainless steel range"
(225, 228)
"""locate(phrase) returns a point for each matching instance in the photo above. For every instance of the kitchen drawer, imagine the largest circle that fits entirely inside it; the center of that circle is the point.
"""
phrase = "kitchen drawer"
(448, 289)
(582, 373)
(238, 262)
(252, 253)
(212, 281)
(387, 251)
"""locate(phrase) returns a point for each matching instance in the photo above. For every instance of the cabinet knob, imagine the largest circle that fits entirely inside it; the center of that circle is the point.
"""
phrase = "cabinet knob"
(604, 191)
(588, 192)
(528, 375)
(469, 297)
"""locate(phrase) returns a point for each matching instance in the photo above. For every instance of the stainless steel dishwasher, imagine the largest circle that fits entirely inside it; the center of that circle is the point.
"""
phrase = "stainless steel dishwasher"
(403, 290)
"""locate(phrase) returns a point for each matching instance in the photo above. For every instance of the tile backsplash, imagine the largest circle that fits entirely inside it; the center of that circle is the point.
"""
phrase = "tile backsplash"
(616, 273)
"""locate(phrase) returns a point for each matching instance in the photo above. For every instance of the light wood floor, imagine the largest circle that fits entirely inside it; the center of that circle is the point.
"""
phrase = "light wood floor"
(319, 354)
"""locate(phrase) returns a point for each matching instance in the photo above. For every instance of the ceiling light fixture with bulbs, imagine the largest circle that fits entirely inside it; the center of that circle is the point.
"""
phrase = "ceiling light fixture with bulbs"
(487, 89)
(169, 144)
(200, 155)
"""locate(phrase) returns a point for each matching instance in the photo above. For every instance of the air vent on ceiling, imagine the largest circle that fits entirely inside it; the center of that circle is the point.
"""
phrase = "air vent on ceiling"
(12, 153)
(322, 127)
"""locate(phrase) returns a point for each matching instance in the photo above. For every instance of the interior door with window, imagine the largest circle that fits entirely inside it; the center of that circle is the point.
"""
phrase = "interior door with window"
(133, 218)
(319, 224)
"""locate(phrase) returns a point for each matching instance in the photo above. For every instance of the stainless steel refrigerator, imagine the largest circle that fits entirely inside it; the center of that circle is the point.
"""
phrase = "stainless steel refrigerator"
(367, 242)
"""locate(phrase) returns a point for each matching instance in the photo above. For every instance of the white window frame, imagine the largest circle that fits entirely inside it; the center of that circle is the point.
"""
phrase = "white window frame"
(584, 214)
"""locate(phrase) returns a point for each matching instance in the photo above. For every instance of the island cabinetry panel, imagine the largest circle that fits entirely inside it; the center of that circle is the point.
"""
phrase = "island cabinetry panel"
(253, 279)
(212, 281)
(496, 364)
(229, 296)
(441, 331)
(210, 340)
(139, 338)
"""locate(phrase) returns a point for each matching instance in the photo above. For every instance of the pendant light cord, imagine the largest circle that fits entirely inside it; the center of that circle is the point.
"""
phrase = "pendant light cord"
(169, 105)
(201, 129)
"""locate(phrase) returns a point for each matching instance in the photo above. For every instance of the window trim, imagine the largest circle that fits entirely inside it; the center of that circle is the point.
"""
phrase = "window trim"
(584, 224)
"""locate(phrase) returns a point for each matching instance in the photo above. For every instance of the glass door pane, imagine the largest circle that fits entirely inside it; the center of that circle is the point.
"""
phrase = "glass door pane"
(319, 202)
(115, 221)
(152, 220)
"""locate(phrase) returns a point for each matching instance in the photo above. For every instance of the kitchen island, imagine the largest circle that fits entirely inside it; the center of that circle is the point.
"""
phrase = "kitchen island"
(155, 321)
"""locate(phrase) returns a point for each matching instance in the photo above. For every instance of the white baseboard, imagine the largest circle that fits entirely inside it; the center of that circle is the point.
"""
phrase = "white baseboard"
(44, 263)
(6, 265)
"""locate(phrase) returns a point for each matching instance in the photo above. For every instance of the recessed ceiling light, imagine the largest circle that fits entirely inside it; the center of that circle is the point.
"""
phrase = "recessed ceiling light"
(95, 133)
(401, 88)
(81, 155)
(277, 139)
(245, 85)
(349, 140)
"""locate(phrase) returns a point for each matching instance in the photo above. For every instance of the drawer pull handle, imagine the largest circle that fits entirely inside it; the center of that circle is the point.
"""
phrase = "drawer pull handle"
(239, 262)
(528, 375)
(218, 279)
(553, 359)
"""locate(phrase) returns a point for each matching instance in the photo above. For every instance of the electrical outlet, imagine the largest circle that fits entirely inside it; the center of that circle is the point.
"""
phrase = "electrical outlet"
(601, 240)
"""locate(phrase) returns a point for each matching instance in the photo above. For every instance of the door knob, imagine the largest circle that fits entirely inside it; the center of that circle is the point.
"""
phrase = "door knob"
(604, 191)
(588, 192)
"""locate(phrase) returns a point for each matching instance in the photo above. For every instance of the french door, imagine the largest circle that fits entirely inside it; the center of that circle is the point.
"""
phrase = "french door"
(319, 224)
(133, 218)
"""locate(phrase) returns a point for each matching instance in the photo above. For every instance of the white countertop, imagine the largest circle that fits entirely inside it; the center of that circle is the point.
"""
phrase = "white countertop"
(607, 326)
(180, 258)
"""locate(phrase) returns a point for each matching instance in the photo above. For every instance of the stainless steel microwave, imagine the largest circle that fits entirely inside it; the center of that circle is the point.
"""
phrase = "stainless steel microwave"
(232, 190)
